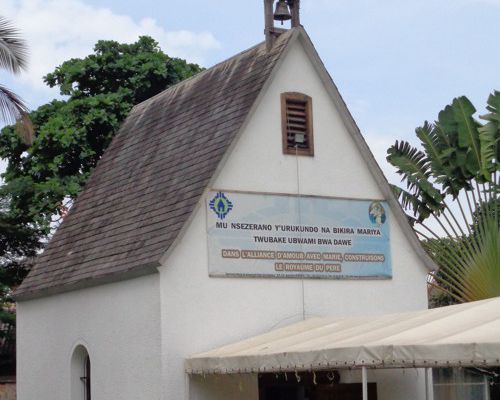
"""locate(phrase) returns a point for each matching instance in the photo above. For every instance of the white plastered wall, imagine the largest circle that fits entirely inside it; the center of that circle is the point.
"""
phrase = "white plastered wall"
(201, 313)
(118, 324)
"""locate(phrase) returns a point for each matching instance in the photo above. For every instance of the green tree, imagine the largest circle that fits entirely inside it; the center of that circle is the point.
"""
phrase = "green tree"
(44, 177)
(453, 182)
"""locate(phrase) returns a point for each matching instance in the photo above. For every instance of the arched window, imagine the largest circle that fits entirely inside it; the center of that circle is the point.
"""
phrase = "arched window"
(86, 378)
(81, 387)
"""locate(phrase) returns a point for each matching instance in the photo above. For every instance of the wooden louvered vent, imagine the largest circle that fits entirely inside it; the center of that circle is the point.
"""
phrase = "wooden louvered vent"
(297, 124)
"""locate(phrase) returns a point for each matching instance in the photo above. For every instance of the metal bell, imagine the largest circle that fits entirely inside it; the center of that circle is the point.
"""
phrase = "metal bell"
(282, 12)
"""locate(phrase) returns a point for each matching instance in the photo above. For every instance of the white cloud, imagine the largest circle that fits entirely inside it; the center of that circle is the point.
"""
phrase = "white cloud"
(58, 30)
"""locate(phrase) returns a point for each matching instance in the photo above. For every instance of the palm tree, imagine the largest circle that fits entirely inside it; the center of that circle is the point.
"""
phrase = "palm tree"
(452, 197)
(13, 58)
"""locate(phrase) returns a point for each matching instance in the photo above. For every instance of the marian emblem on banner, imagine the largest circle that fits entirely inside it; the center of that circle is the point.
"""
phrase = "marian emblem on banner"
(377, 213)
(221, 205)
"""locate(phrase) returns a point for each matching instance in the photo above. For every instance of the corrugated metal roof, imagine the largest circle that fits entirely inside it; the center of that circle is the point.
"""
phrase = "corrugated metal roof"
(151, 177)
(462, 335)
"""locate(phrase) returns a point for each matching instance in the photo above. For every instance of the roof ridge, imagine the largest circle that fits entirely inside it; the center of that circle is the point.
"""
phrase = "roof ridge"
(196, 76)
(364, 149)
(133, 246)
(200, 74)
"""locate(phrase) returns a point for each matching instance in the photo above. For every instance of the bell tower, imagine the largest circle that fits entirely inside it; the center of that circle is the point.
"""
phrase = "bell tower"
(280, 10)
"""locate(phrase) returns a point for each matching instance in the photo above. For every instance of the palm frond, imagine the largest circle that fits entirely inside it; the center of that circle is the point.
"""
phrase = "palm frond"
(493, 107)
(25, 129)
(411, 202)
(13, 48)
(438, 151)
(11, 106)
(14, 111)
(431, 143)
(463, 111)
(456, 125)
(489, 136)
(414, 166)
(460, 160)
(476, 276)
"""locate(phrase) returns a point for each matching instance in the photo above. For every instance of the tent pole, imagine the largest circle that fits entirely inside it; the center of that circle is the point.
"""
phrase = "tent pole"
(429, 390)
(486, 388)
(364, 378)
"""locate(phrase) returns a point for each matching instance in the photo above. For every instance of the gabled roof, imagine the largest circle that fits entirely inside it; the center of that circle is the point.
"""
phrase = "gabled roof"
(151, 177)
(148, 182)
(365, 151)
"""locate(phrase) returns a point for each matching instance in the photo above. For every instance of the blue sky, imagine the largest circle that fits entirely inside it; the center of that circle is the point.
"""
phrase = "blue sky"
(396, 63)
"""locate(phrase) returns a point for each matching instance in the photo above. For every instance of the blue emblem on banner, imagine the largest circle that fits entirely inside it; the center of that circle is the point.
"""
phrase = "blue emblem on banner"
(376, 213)
(221, 205)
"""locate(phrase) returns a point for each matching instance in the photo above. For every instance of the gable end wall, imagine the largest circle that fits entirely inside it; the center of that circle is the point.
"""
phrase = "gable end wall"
(200, 313)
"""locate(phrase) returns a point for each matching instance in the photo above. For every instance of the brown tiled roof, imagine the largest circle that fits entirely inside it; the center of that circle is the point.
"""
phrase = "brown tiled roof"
(151, 177)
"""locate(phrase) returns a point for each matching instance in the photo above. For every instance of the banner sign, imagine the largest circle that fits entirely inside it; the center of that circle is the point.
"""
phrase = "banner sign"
(268, 235)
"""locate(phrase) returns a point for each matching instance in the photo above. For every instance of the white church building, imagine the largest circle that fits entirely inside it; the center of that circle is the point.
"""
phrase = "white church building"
(240, 203)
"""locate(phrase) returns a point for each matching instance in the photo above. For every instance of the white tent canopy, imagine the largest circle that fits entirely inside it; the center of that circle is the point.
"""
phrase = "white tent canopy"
(462, 335)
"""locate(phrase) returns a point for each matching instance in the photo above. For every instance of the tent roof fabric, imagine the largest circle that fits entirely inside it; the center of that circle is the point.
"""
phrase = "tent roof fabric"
(461, 335)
